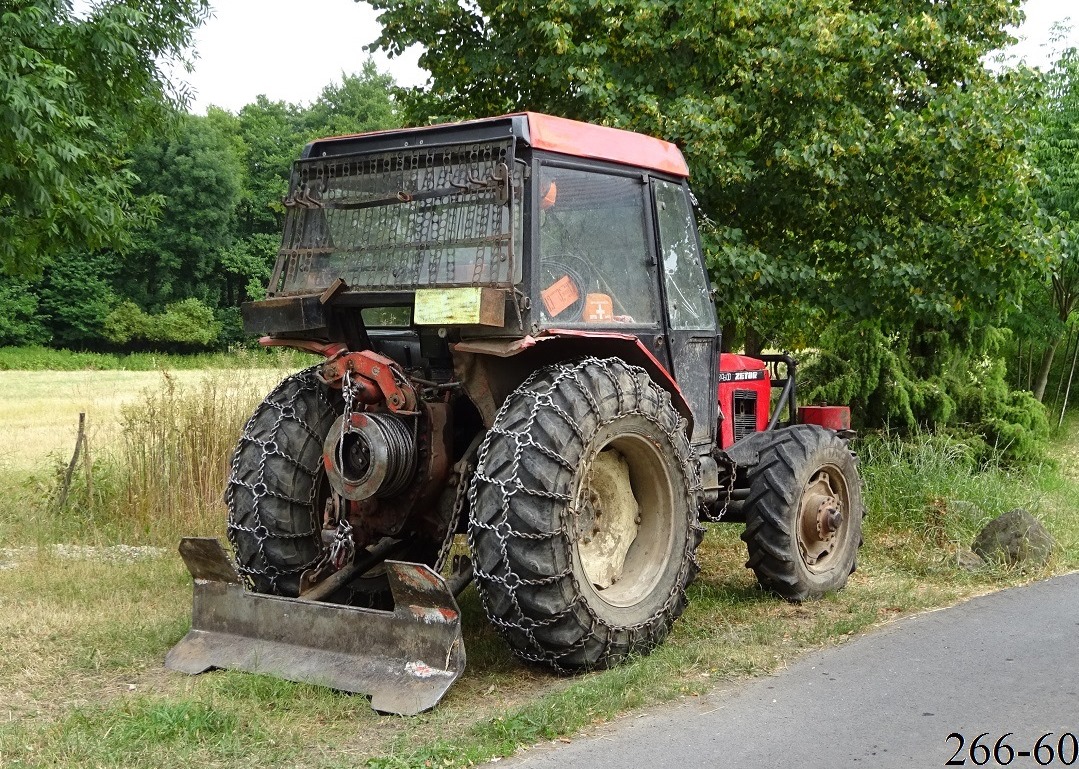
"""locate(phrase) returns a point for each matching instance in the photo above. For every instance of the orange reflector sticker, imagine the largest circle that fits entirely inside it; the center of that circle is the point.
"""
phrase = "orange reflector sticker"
(598, 308)
(559, 295)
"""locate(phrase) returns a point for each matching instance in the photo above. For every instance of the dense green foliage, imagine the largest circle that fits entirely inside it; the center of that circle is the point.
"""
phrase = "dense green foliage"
(74, 92)
(1056, 154)
(215, 185)
(856, 158)
(888, 382)
(865, 180)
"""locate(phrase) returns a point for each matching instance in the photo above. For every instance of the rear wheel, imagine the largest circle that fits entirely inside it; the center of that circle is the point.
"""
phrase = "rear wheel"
(277, 493)
(277, 487)
(804, 513)
(583, 520)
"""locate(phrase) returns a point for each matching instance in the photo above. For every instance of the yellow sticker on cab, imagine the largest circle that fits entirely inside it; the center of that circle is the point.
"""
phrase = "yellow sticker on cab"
(461, 306)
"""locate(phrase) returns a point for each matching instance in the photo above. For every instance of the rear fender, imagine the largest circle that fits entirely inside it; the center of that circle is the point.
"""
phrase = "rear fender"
(490, 369)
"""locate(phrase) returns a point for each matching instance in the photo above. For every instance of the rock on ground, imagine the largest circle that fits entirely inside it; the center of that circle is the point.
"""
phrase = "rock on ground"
(1014, 538)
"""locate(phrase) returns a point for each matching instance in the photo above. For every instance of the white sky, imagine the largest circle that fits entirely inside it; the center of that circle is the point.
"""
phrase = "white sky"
(289, 50)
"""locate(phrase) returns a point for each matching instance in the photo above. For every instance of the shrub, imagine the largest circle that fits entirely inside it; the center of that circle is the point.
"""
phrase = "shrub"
(943, 386)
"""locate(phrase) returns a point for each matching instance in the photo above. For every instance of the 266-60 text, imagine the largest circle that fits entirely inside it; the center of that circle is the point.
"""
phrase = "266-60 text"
(1049, 749)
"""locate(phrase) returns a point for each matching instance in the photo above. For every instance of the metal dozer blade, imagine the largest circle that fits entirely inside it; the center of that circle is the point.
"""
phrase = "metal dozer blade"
(404, 659)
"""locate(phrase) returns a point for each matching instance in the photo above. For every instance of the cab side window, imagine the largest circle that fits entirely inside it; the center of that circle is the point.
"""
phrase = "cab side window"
(595, 262)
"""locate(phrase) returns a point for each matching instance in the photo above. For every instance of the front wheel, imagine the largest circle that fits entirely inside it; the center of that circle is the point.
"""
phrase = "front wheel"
(583, 520)
(804, 513)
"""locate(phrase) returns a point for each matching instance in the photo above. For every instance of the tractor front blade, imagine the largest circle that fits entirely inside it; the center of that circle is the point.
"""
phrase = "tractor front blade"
(404, 659)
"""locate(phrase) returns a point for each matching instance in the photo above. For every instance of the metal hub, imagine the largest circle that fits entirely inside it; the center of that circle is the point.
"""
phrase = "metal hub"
(356, 456)
(624, 523)
(369, 454)
(821, 518)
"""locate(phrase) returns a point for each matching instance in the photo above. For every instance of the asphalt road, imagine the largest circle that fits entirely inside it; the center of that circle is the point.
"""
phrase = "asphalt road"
(1007, 662)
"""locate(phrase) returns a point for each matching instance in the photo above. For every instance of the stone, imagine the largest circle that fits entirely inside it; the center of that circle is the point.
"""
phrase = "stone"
(969, 561)
(1014, 538)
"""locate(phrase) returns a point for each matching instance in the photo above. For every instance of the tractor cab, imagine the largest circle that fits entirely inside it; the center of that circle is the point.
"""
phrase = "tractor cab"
(521, 226)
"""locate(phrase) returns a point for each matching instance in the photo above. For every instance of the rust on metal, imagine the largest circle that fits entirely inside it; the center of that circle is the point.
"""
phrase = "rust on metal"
(429, 614)
(308, 345)
(383, 373)
(401, 658)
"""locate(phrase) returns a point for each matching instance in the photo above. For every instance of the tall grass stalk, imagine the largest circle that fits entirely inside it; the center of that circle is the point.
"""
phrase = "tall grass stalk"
(165, 476)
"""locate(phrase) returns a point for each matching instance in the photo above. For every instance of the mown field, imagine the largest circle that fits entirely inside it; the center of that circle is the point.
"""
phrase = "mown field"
(93, 595)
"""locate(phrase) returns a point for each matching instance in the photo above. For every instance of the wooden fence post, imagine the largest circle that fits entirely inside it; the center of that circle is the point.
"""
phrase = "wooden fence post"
(80, 442)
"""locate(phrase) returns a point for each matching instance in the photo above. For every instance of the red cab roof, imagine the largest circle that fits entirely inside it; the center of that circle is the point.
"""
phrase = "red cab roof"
(570, 137)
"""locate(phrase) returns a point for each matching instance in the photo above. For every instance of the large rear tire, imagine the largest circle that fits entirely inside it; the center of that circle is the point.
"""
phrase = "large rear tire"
(804, 513)
(277, 486)
(583, 521)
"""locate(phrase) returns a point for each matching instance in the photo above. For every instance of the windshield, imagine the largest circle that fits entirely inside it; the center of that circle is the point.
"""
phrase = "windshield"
(403, 219)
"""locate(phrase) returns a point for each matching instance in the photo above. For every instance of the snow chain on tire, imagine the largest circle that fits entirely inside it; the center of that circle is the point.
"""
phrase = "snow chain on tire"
(274, 485)
(523, 526)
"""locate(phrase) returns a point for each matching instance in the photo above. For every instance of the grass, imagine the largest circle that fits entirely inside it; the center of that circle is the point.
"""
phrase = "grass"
(158, 446)
(39, 410)
(36, 358)
(83, 637)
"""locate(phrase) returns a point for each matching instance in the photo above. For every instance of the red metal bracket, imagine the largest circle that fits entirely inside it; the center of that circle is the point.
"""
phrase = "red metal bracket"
(329, 349)
(377, 377)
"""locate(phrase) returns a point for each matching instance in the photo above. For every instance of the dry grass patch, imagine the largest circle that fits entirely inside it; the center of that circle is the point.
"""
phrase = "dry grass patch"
(39, 410)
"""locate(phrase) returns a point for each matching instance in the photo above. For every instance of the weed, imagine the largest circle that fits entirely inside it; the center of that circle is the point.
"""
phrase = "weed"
(161, 476)
(35, 358)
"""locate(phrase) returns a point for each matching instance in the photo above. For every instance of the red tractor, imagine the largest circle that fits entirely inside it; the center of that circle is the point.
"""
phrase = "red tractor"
(520, 347)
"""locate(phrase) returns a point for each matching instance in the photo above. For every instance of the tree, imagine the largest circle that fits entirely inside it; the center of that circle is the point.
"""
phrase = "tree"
(73, 93)
(853, 158)
(271, 138)
(19, 320)
(196, 176)
(75, 297)
(1056, 153)
(359, 103)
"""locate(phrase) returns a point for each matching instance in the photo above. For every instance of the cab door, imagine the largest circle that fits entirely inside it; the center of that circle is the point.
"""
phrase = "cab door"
(692, 337)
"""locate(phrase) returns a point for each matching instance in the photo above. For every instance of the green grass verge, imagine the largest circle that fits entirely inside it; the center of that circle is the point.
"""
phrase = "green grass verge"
(35, 358)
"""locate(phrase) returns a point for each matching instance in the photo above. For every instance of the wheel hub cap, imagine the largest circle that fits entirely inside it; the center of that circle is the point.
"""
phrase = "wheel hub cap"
(607, 519)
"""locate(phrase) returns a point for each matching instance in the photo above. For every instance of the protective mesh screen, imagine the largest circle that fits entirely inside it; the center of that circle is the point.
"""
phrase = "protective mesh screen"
(402, 219)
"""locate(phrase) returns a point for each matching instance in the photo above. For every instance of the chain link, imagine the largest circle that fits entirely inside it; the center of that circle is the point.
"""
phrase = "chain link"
(281, 403)
(725, 462)
(342, 546)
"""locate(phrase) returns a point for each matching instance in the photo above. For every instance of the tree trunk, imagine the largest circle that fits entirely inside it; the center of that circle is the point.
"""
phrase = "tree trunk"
(1019, 365)
(730, 335)
(754, 342)
(1043, 370)
(1068, 389)
(1067, 354)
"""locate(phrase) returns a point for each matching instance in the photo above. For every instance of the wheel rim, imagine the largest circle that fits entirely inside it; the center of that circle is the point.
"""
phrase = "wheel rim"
(625, 520)
(823, 519)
